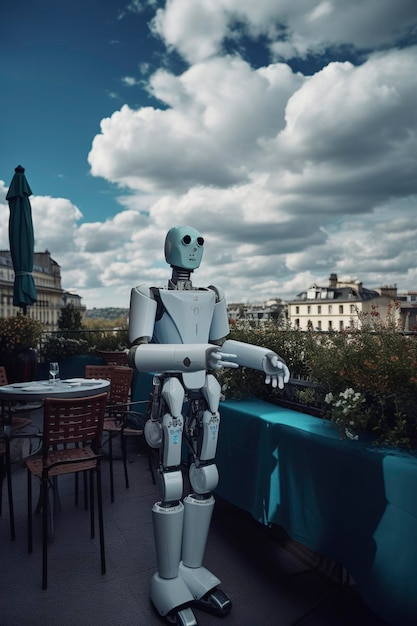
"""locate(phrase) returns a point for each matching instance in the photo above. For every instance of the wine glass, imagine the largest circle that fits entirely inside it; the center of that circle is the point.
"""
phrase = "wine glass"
(53, 372)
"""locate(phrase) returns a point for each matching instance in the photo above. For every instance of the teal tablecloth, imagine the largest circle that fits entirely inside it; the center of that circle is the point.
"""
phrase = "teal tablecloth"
(352, 502)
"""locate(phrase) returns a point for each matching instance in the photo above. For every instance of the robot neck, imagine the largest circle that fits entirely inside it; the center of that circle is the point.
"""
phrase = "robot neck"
(180, 279)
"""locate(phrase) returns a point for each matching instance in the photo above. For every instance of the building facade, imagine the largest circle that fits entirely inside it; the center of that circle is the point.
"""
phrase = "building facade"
(339, 305)
(51, 298)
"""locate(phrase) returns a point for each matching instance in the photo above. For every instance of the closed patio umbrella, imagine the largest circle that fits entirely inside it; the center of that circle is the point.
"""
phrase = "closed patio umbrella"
(21, 239)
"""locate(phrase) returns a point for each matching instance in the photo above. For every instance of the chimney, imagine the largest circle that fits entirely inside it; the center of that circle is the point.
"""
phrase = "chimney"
(333, 281)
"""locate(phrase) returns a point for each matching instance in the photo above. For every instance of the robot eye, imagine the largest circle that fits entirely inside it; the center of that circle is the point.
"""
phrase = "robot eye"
(200, 241)
(186, 239)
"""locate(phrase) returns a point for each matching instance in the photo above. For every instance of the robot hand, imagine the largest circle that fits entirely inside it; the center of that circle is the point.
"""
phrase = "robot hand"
(216, 359)
(277, 373)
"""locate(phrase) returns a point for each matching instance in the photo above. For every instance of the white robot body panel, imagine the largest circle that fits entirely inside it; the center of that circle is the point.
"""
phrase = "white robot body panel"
(194, 380)
(168, 530)
(220, 322)
(170, 485)
(211, 423)
(197, 517)
(172, 430)
(199, 580)
(172, 357)
(173, 393)
(204, 478)
(190, 311)
(142, 313)
(211, 392)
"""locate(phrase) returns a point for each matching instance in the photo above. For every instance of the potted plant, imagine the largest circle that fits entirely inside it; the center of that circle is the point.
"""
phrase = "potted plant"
(72, 354)
(19, 341)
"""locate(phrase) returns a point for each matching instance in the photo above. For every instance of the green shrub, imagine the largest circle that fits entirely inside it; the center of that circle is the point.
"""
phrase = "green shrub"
(377, 362)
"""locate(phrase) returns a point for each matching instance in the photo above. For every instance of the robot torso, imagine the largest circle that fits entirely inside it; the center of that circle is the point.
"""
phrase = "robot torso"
(185, 316)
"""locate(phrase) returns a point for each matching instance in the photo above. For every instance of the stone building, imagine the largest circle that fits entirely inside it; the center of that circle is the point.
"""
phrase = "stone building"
(338, 305)
(51, 298)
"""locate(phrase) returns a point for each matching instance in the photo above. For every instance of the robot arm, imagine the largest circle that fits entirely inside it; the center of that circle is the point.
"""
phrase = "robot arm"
(166, 357)
(260, 359)
(247, 355)
(179, 357)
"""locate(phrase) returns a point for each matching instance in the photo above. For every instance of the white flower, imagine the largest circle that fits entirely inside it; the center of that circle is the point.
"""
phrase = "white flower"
(351, 435)
(328, 398)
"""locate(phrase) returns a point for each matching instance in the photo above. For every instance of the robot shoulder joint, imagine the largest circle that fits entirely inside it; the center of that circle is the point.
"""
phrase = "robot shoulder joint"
(219, 291)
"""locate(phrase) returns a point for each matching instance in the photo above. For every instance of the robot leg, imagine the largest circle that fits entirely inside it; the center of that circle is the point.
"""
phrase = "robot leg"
(169, 594)
(198, 511)
(168, 590)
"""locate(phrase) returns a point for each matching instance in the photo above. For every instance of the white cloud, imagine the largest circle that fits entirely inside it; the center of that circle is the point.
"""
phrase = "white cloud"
(289, 177)
(272, 159)
(198, 30)
(218, 112)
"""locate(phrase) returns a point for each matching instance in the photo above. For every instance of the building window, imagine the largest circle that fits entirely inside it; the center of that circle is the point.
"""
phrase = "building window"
(352, 308)
(341, 325)
(330, 325)
(319, 309)
(308, 310)
(340, 309)
(330, 309)
(319, 325)
(297, 310)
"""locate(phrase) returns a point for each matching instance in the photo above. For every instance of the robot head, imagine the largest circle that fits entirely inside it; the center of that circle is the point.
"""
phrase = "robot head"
(184, 247)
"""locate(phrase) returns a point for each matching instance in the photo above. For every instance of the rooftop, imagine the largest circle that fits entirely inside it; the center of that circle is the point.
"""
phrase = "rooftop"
(269, 579)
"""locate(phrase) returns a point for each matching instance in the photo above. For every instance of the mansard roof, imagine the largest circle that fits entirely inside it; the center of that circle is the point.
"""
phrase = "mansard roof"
(341, 294)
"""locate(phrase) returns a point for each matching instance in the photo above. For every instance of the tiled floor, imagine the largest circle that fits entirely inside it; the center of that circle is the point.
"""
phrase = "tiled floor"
(268, 584)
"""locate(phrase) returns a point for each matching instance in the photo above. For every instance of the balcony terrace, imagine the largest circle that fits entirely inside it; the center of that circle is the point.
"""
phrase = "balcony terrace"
(269, 579)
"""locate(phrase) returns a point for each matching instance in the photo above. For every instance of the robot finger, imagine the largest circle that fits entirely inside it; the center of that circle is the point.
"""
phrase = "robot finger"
(225, 355)
(229, 364)
(216, 360)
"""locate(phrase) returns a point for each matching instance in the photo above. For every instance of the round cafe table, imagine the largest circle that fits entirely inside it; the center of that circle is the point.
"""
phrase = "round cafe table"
(38, 390)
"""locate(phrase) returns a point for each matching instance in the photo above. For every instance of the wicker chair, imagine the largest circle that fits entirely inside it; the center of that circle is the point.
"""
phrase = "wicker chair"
(118, 357)
(72, 432)
(120, 410)
(10, 425)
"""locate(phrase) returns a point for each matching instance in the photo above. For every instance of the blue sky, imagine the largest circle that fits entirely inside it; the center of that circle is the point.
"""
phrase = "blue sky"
(62, 68)
(284, 130)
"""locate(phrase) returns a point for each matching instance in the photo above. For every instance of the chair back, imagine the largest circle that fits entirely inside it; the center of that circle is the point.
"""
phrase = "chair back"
(99, 371)
(118, 357)
(3, 376)
(120, 385)
(73, 420)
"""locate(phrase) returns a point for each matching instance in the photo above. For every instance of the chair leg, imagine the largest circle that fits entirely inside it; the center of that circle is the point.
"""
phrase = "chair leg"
(44, 532)
(2, 475)
(85, 491)
(111, 467)
(92, 524)
(124, 456)
(150, 465)
(29, 507)
(10, 489)
(100, 518)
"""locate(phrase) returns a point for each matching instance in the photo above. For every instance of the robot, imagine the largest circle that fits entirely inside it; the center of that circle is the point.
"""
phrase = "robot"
(179, 333)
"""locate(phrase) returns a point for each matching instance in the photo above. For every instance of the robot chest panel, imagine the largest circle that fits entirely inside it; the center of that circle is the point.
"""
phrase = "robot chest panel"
(187, 317)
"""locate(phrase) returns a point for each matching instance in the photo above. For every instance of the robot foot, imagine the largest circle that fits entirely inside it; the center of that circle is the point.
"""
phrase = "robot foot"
(215, 602)
(183, 617)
